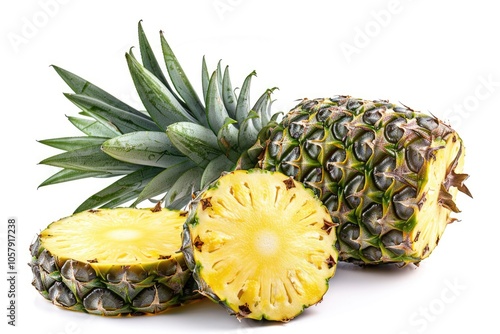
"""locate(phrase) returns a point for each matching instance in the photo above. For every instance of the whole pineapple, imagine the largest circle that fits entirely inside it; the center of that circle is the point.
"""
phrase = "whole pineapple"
(388, 175)
(111, 262)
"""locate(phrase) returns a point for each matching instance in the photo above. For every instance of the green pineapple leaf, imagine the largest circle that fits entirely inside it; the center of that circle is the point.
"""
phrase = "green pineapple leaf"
(228, 139)
(195, 141)
(160, 103)
(73, 143)
(215, 168)
(148, 148)
(84, 87)
(216, 111)
(90, 159)
(228, 95)
(122, 190)
(205, 78)
(149, 59)
(181, 191)
(243, 103)
(248, 132)
(181, 82)
(123, 120)
(65, 175)
(162, 182)
(93, 127)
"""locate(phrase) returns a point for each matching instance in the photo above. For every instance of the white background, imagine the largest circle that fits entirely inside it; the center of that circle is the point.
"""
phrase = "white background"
(439, 57)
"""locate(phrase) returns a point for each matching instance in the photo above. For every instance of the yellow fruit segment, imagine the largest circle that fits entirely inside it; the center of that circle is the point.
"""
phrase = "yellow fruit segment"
(264, 244)
(433, 217)
(118, 236)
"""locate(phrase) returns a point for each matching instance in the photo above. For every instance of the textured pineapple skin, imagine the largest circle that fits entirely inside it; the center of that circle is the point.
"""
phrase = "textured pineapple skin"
(379, 168)
(111, 289)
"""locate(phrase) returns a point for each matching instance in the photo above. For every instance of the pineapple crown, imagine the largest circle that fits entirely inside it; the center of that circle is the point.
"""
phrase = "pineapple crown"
(173, 148)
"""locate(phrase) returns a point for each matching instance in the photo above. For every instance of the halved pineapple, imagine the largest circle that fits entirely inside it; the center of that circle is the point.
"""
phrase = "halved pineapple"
(113, 262)
(261, 244)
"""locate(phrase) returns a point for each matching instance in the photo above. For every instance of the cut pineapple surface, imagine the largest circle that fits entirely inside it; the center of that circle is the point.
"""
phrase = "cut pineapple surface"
(261, 244)
(113, 261)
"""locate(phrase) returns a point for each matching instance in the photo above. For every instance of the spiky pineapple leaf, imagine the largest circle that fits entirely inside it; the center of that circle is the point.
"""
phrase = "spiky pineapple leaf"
(262, 108)
(183, 188)
(216, 111)
(248, 132)
(215, 168)
(65, 175)
(162, 182)
(84, 87)
(148, 148)
(205, 78)
(228, 96)
(90, 159)
(73, 143)
(123, 120)
(93, 127)
(148, 57)
(195, 141)
(122, 190)
(243, 103)
(227, 137)
(181, 82)
(160, 103)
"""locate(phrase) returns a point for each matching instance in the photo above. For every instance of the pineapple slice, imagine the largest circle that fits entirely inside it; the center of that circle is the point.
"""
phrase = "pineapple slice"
(113, 262)
(261, 244)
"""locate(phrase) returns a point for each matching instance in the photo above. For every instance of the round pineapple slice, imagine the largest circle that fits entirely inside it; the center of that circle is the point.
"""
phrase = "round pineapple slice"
(113, 262)
(261, 244)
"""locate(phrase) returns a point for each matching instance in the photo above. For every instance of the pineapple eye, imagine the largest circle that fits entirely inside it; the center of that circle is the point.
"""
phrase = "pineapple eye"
(340, 129)
(414, 158)
(371, 216)
(350, 234)
(354, 105)
(331, 203)
(372, 116)
(336, 172)
(393, 132)
(311, 147)
(275, 144)
(382, 181)
(61, 294)
(153, 296)
(75, 270)
(352, 188)
(131, 274)
(362, 148)
(404, 211)
(101, 299)
(393, 239)
(428, 123)
(47, 262)
(323, 114)
(297, 126)
(372, 253)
